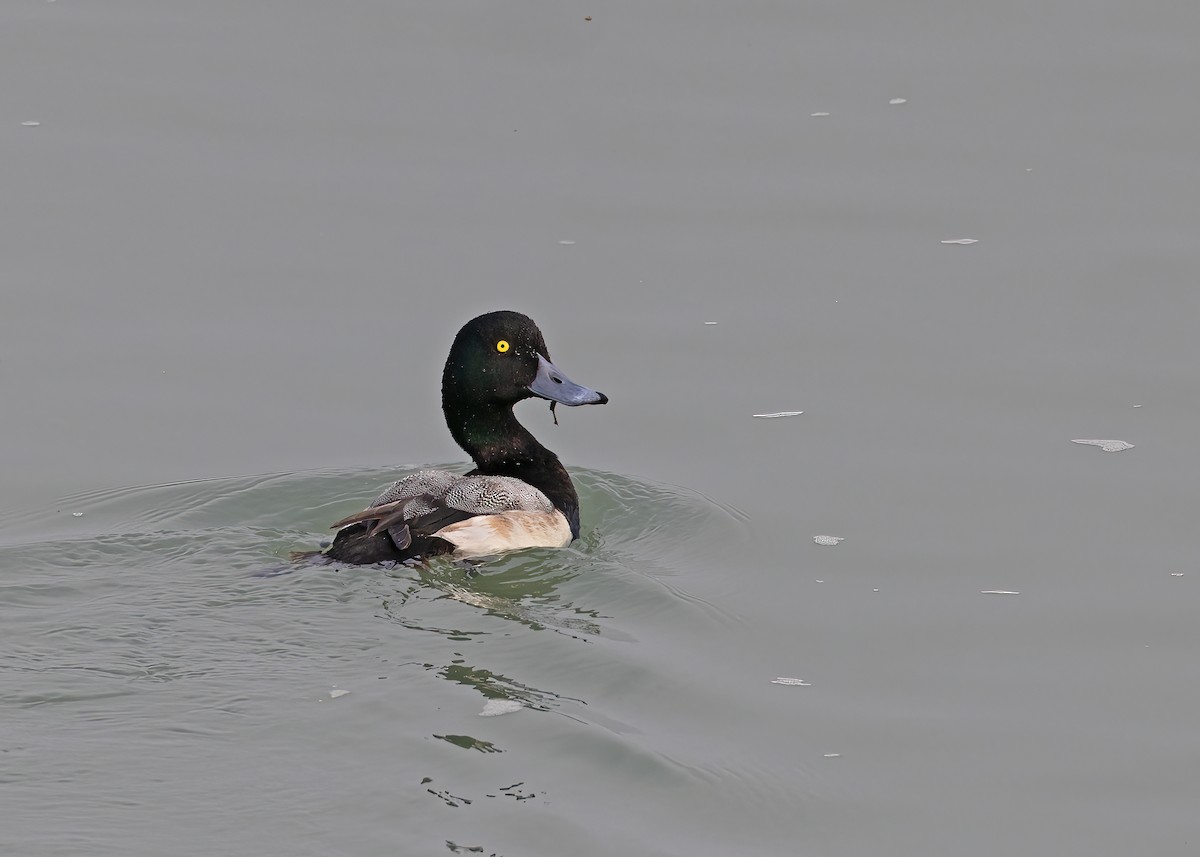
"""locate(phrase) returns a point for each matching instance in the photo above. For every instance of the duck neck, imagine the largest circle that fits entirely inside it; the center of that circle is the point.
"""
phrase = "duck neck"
(500, 446)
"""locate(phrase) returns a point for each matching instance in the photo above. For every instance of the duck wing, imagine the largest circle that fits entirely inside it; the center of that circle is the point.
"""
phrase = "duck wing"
(410, 513)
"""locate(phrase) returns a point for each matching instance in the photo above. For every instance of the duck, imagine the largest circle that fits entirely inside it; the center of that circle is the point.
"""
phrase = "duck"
(519, 495)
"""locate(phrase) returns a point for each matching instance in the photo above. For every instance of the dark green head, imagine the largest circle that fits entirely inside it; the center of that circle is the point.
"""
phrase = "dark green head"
(499, 359)
(496, 361)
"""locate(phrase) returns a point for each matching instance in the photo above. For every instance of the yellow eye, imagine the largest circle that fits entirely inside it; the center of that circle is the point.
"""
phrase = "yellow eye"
(502, 346)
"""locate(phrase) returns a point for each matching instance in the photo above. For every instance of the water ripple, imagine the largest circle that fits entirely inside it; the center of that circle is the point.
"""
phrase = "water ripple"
(167, 618)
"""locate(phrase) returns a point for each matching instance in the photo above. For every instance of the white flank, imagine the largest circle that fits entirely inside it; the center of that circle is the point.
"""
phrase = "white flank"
(488, 535)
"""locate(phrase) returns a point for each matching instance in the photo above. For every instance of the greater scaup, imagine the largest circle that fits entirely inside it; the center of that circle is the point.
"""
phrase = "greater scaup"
(518, 496)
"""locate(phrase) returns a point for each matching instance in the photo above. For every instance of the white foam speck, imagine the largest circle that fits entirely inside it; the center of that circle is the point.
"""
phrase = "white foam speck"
(833, 755)
(496, 707)
(791, 682)
(898, 101)
(818, 114)
(335, 693)
(963, 241)
(1137, 406)
(828, 541)
(710, 322)
(31, 124)
(997, 592)
(1107, 445)
(1176, 574)
(77, 514)
(777, 415)
(566, 243)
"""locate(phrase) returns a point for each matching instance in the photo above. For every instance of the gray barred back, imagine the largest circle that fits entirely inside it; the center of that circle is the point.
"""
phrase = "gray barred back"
(428, 490)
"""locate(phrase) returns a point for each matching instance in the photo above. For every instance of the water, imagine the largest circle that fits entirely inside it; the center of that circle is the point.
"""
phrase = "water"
(238, 239)
(188, 672)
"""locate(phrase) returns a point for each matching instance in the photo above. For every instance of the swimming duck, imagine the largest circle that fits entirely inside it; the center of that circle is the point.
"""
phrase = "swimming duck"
(518, 496)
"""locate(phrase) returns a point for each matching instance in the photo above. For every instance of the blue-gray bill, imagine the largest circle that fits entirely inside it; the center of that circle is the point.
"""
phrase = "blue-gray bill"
(550, 383)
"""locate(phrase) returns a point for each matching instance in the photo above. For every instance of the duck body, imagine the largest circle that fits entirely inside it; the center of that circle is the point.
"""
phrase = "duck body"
(518, 496)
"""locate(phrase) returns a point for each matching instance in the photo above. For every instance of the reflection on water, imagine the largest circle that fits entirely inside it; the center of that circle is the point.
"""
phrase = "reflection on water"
(492, 686)
(466, 742)
(523, 591)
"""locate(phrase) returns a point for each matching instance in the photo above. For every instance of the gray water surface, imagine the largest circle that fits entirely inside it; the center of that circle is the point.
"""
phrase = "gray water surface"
(237, 240)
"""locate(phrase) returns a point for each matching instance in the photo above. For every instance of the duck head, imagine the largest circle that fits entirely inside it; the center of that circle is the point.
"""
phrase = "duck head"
(500, 358)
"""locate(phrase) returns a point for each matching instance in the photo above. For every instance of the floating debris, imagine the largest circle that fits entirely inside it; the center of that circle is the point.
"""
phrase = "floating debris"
(791, 682)
(818, 114)
(828, 541)
(963, 241)
(898, 101)
(566, 243)
(496, 707)
(334, 694)
(1107, 445)
(777, 415)
(997, 592)
(31, 123)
